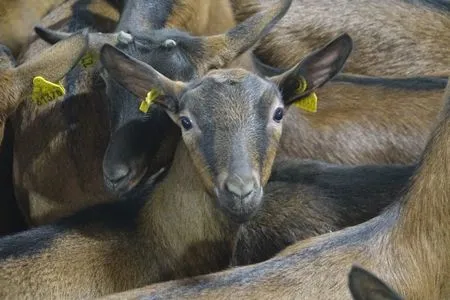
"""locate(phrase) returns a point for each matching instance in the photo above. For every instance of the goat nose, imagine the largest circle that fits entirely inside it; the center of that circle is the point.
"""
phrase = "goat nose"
(239, 186)
(117, 173)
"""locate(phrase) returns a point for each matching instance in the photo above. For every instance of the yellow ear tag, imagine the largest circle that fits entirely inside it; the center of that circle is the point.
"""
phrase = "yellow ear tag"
(151, 96)
(308, 103)
(88, 60)
(45, 91)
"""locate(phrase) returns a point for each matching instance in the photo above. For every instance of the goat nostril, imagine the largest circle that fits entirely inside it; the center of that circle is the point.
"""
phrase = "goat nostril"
(117, 173)
(241, 189)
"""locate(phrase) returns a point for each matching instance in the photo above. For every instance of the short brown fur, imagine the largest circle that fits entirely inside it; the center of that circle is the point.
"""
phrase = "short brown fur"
(358, 124)
(391, 37)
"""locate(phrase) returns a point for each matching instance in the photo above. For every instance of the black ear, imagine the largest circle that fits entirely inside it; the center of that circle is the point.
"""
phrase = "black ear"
(315, 70)
(366, 286)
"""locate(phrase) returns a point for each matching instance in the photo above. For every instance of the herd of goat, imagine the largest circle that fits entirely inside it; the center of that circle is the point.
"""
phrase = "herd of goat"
(149, 150)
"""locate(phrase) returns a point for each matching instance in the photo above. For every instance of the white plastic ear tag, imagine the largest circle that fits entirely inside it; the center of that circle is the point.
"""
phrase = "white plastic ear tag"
(151, 96)
(309, 102)
(45, 91)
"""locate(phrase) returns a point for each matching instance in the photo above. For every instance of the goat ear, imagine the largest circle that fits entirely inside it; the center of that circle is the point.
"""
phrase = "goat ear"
(51, 36)
(140, 78)
(366, 286)
(54, 62)
(96, 39)
(315, 70)
(223, 48)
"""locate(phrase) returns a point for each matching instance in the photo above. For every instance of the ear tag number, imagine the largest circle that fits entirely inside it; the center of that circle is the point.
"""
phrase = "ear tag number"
(308, 103)
(88, 60)
(151, 96)
(45, 91)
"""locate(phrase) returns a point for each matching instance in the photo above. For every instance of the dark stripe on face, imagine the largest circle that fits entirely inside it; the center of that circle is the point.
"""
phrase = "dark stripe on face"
(207, 145)
(265, 143)
(203, 118)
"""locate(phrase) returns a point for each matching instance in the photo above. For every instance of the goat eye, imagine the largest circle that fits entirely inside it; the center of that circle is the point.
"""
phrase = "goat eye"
(186, 123)
(278, 114)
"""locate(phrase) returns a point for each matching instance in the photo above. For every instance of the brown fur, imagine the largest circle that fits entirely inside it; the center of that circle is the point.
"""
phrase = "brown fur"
(18, 18)
(407, 246)
(358, 124)
(391, 37)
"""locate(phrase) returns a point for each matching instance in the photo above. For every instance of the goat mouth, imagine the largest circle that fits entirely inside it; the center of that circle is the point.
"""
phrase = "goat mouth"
(239, 210)
(125, 183)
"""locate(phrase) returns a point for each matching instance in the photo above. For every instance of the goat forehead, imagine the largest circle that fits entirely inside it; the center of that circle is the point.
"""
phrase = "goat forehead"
(229, 99)
(175, 62)
(158, 37)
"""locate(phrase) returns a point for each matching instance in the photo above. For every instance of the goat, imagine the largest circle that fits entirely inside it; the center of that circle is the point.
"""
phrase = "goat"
(364, 285)
(407, 246)
(15, 83)
(171, 232)
(46, 196)
(387, 35)
(262, 238)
